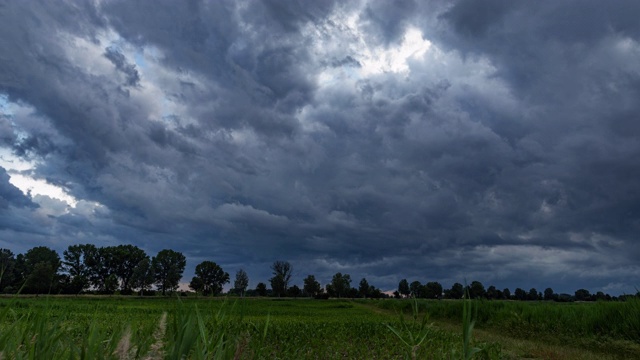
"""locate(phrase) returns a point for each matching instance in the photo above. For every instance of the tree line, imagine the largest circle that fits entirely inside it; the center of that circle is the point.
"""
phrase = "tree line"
(127, 269)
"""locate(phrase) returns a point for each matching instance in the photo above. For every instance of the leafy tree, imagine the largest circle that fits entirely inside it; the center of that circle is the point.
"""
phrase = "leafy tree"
(432, 290)
(101, 265)
(403, 288)
(375, 293)
(416, 289)
(520, 294)
(294, 291)
(340, 284)
(76, 263)
(582, 295)
(242, 282)
(548, 294)
(492, 293)
(506, 293)
(456, 291)
(476, 290)
(363, 288)
(168, 267)
(126, 258)
(143, 276)
(533, 294)
(282, 272)
(42, 265)
(311, 286)
(261, 289)
(209, 278)
(7, 267)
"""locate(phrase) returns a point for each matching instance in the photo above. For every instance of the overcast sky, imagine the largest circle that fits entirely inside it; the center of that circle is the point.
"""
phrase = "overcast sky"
(496, 141)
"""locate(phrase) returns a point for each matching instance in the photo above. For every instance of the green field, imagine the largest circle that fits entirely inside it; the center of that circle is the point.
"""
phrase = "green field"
(260, 328)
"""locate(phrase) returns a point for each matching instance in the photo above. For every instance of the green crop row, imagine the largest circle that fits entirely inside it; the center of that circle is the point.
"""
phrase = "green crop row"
(119, 328)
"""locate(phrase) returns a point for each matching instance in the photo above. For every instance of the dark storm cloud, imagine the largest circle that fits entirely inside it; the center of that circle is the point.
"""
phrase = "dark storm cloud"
(246, 132)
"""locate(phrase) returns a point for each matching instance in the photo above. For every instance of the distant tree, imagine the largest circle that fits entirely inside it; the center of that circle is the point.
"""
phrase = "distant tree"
(456, 291)
(582, 295)
(282, 272)
(42, 265)
(311, 286)
(7, 268)
(126, 258)
(375, 293)
(76, 263)
(403, 288)
(520, 294)
(506, 293)
(294, 291)
(493, 293)
(363, 288)
(168, 267)
(476, 290)
(396, 295)
(209, 278)
(101, 265)
(241, 283)
(341, 283)
(433, 290)
(548, 294)
(416, 289)
(600, 296)
(533, 294)
(352, 293)
(261, 289)
(143, 276)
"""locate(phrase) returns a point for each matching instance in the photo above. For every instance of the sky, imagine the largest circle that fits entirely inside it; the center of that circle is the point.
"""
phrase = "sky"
(447, 141)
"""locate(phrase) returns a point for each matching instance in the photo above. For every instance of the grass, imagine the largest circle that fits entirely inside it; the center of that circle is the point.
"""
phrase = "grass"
(172, 328)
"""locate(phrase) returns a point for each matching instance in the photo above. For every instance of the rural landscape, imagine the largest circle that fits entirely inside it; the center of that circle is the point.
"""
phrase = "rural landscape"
(319, 179)
(118, 303)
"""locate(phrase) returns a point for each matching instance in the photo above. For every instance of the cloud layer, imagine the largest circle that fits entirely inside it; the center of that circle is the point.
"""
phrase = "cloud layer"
(488, 140)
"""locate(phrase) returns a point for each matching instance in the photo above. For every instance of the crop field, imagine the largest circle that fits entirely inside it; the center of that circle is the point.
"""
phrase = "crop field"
(260, 328)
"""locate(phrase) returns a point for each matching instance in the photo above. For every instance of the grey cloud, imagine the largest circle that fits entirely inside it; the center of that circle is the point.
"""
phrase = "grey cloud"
(118, 59)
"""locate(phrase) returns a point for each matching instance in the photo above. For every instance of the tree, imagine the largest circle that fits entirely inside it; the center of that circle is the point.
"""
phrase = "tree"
(294, 291)
(241, 283)
(456, 291)
(506, 293)
(432, 290)
(126, 258)
(493, 293)
(76, 263)
(403, 288)
(42, 265)
(520, 294)
(416, 289)
(7, 266)
(101, 265)
(582, 295)
(209, 278)
(168, 267)
(311, 286)
(143, 276)
(476, 290)
(533, 294)
(363, 288)
(282, 272)
(340, 284)
(548, 294)
(261, 289)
